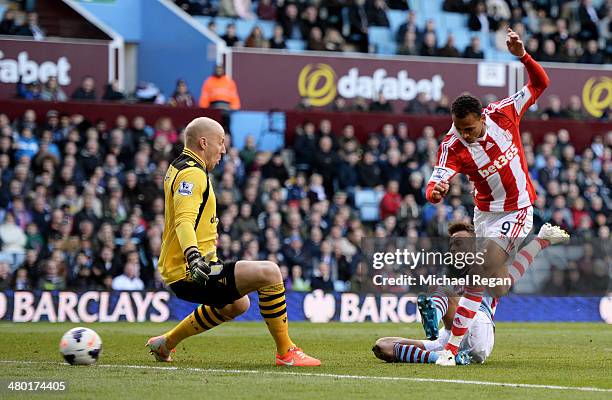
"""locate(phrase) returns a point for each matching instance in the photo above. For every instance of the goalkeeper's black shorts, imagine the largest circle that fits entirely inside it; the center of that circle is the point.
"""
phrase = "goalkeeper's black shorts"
(220, 290)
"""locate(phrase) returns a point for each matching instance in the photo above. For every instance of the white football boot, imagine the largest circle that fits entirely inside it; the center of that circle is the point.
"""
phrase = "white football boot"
(553, 234)
(157, 347)
(446, 358)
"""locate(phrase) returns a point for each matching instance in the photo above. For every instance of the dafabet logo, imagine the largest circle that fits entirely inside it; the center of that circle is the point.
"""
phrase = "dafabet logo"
(318, 83)
(597, 95)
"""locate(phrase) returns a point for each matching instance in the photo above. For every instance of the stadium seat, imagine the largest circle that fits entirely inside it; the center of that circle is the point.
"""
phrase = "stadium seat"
(295, 45)
(382, 38)
(367, 201)
(202, 20)
(396, 18)
(244, 28)
(268, 129)
(462, 38)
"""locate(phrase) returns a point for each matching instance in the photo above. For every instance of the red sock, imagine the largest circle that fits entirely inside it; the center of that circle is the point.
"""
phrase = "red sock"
(466, 310)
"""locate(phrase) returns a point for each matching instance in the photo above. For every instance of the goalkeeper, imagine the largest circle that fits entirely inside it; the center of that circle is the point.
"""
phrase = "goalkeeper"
(188, 262)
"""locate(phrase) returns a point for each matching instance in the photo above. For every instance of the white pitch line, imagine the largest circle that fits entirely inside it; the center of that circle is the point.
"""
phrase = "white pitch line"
(334, 376)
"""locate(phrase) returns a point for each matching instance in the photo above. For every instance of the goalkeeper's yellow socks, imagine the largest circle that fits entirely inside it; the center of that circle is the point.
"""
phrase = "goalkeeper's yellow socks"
(200, 320)
(274, 311)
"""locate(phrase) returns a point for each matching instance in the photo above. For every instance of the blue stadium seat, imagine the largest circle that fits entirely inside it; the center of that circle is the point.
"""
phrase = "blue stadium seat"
(454, 21)
(462, 38)
(267, 129)
(244, 28)
(396, 18)
(295, 45)
(367, 201)
(382, 38)
(203, 20)
(222, 23)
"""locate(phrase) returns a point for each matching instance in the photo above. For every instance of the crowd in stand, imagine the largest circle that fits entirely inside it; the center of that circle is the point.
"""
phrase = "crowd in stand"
(549, 107)
(82, 201)
(555, 31)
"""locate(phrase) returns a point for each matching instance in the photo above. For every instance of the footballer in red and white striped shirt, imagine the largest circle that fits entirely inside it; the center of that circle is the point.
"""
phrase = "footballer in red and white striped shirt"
(485, 145)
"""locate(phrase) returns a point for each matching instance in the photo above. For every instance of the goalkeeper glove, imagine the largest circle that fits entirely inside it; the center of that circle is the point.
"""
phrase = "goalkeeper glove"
(198, 266)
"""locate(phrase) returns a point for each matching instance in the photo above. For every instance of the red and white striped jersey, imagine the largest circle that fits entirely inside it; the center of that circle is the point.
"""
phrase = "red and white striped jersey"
(496, 162)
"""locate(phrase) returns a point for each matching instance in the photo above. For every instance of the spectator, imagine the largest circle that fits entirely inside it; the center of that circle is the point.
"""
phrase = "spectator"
(592, 55)
(380, 104)
(26, 144)
(322, 279)
(419, 105)
(289, 21)
(479, 19)
(549, 51)
(298, 283)
(589, 19)
(7, 25)
(129, 280)
(574, 109)
(87, 90)
(554, 109)
(230, 37)
(408, 46)
(428, 48)
(315, 40)
(474, 50)
(266, 10)
(112, 92)
(333, 41)
(5, 276)
(52, 278)
(357, 25)
(182, 96)
(31, 28)
(21, 281)
(278, 38)
(256, 39)
(449, 50)
(219, 91)
(309, 20)
(391, 202)
(377, 13)
(52, 92)
(408, 26)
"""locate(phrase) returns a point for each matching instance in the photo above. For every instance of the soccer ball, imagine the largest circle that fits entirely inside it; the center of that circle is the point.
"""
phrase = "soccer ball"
(80, 346)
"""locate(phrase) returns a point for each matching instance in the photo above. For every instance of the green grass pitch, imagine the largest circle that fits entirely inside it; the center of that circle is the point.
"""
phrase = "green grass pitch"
(236, 361)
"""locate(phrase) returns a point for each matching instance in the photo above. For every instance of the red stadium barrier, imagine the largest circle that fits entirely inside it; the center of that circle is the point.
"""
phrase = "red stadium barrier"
(108, 111)
(581, 132)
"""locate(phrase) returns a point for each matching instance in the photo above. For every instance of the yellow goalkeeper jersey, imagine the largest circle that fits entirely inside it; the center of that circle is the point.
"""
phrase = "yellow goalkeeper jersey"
(190, 207)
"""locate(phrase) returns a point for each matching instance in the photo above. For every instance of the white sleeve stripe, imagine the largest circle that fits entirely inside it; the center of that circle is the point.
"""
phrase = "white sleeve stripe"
(521, 101)
(445, 147)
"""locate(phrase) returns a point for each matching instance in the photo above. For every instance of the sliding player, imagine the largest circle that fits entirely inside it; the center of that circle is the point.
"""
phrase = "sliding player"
(485, 145)
(441, 305)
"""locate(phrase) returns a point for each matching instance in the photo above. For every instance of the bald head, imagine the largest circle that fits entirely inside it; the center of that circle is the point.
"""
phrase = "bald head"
(206, 138)
(201, 128)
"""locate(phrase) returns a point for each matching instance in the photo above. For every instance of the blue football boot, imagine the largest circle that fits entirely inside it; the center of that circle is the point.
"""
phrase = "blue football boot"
(429, 317)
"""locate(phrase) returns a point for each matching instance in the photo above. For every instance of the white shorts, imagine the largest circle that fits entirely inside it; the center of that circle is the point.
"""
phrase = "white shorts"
(507, 229)
(478, 341)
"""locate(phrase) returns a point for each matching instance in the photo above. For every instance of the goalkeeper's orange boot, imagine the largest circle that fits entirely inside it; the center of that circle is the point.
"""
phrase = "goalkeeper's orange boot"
(295, 357)
(157, 347)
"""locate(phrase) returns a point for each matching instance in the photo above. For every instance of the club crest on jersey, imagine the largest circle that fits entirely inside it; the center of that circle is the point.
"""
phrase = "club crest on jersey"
(500, 162)
(507, 135)
(185, 188)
